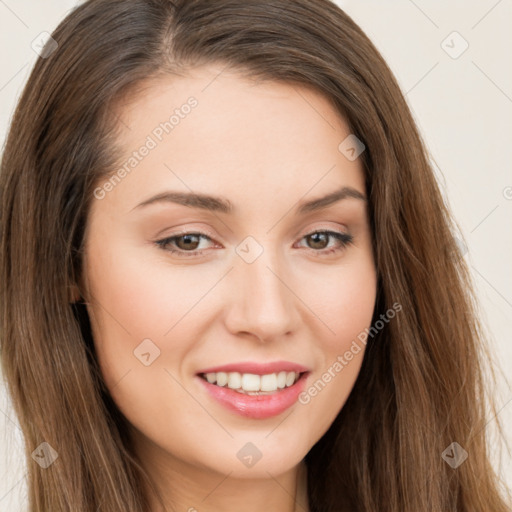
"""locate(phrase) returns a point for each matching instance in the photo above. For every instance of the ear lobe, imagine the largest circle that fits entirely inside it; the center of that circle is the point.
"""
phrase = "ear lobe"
(74, 294)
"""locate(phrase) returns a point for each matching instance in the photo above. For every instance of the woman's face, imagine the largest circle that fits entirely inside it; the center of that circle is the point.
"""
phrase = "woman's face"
(255, 289)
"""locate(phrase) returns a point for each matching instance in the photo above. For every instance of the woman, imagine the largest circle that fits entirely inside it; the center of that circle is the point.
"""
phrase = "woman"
(259, 369)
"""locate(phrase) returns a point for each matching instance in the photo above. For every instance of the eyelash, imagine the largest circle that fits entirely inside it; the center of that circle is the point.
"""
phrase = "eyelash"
(344, 238)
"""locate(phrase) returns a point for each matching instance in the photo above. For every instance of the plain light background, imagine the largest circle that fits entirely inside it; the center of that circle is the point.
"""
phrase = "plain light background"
(452, 60)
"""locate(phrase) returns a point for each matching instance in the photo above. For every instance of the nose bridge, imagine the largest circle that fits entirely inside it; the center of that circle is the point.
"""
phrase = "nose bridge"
(263, 302)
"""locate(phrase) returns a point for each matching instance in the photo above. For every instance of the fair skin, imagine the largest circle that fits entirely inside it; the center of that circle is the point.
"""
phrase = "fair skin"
(267, 148)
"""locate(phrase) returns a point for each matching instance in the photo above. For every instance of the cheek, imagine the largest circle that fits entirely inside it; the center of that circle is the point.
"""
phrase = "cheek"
(326, 393)
(343, 301)
(345, 305)
(135, 304)
(137, 299)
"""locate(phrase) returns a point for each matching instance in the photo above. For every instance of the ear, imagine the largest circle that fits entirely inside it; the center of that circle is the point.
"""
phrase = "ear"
(74, 294)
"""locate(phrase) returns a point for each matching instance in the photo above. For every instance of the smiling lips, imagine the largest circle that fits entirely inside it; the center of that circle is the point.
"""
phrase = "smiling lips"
(255, 390)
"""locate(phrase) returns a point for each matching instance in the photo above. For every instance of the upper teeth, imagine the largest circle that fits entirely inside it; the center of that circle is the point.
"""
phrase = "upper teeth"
(252, 382)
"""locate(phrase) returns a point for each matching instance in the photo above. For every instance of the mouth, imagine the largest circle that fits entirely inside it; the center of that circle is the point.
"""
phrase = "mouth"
(251, 383)
(254, 395)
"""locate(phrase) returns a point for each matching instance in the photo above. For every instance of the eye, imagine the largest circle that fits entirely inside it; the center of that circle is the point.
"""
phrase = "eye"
(319, 238)
(186, 244)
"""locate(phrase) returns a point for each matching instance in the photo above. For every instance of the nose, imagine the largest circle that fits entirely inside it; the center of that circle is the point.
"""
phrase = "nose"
(262, 301)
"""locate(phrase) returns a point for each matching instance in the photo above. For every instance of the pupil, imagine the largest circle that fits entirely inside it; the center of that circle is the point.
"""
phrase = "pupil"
(187, 240)
(315, 237)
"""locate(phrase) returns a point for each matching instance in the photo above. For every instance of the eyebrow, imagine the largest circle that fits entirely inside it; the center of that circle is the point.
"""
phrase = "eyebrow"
(223, 205)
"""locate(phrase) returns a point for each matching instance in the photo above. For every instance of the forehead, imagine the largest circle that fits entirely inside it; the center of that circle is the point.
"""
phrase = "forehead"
(240, 136)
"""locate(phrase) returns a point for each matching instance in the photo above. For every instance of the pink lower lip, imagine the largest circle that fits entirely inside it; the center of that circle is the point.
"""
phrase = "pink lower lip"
(256, 406)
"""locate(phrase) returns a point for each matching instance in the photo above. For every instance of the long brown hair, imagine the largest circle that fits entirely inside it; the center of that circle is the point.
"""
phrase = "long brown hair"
(422, 385)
